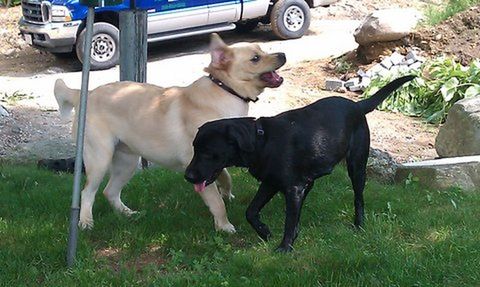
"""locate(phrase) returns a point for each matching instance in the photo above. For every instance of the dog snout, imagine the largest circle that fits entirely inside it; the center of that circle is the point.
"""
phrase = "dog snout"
(282, 59)
(190, 175)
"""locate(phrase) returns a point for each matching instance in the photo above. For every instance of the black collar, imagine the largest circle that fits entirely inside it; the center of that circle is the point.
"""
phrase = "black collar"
(230, 90)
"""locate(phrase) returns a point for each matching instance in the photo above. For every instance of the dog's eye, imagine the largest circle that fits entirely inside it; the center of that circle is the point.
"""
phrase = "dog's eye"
(255, 59)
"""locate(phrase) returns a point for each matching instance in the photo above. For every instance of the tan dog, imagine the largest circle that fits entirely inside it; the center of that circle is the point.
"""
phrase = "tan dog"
(126, 120)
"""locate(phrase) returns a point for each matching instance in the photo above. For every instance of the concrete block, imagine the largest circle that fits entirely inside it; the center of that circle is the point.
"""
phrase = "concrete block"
(407, 62)
(396, 58)
(362, 73)
(356, 88)
(375, 70)
(386, 63)
(365, 82)
(416, 65)
(413, 55)
(334, 84)
(352, 82)
(462, 172)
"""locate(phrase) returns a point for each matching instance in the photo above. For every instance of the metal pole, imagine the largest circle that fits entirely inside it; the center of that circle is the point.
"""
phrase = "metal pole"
(75, 210)
(133, 48)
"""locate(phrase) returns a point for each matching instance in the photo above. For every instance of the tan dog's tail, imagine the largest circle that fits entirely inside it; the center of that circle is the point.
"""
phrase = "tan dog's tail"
(67, 99)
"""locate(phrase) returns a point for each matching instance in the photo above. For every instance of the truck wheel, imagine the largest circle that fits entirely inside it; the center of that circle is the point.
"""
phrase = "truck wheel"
(246, 26)
(290, 19)
(105, 46)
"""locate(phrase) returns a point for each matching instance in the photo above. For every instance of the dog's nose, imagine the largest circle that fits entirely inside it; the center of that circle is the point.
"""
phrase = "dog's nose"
(190, 175)
(282, 58)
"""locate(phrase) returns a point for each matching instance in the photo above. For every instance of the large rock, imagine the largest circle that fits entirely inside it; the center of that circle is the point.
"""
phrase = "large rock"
(381, 166)
(463, 172)
(387, 25)
(460, 135)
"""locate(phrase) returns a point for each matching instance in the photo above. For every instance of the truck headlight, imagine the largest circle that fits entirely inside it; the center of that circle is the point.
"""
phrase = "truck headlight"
(60, 14)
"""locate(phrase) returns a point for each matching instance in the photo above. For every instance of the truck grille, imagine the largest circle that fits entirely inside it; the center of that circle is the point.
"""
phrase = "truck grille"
(36, 11)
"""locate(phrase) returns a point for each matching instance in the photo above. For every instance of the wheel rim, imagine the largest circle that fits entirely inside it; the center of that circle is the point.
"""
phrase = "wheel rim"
(103, 47)
(293, 18)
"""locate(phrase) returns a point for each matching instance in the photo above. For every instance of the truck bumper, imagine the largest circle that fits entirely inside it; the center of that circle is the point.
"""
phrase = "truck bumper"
(53, 37)
(317, 3)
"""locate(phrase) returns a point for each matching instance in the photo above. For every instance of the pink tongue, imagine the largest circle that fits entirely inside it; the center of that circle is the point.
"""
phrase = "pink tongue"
(276, 76)
(199, 187)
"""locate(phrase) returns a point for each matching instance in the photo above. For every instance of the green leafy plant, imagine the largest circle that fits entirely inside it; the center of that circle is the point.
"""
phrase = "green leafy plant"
(10, 3)
(342, 65)
(434, 15)
(440, 84)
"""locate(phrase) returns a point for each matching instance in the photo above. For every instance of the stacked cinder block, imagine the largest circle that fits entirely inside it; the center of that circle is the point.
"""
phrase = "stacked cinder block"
(396, 63)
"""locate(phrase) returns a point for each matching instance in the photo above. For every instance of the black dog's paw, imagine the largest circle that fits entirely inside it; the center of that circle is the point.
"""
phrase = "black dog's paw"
(357, 228)
(284, 249)
(264, 233)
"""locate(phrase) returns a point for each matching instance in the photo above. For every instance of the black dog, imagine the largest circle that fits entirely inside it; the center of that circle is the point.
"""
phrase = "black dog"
(288, 152)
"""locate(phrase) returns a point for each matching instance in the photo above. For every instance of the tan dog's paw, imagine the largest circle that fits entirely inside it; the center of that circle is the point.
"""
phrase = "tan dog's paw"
(128, 212)
(85, 224)
(228, 228)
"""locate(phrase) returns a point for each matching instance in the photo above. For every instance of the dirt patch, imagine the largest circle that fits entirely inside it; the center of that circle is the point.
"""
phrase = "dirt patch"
(29, 133)
(458, 36)
(113, 258)
(17, 58)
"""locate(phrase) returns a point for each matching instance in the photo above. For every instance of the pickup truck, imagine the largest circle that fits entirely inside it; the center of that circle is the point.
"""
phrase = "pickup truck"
(58, 25)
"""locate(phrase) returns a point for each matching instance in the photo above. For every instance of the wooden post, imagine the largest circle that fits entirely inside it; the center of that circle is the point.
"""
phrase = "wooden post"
(133, 48)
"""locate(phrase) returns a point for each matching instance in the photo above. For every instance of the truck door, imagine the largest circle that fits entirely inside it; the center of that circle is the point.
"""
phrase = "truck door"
(171, 15)
(222, 11)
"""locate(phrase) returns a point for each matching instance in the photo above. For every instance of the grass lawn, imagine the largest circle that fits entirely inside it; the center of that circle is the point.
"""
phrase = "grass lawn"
(412, 236)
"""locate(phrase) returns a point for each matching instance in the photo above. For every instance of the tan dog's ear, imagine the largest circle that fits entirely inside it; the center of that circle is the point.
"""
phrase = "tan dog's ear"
(220, 52)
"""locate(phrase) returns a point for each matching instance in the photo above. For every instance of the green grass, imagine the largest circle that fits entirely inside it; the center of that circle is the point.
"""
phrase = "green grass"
(435, 14)
(412, 236)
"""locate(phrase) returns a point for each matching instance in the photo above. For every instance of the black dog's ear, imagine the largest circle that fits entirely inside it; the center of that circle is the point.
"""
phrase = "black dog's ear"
(240, 136)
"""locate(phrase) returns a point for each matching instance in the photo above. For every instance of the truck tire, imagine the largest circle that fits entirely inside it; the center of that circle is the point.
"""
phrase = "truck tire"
(105, 46)
(290, 19)
(246, 26)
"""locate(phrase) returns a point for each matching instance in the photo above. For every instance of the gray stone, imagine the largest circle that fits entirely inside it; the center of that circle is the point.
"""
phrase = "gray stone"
(381, 165)
(3, 112)
(356, 88)
(416, 65)
(403, 69)
(395, 69)
(334, 84)
(413, 56)
(462, 172)
(407, 62)
(352, 82)
(396, 58)
(376, 70)
(362, 73)
(460, 135)
(386, 25)
(386, 63)
(365, 82)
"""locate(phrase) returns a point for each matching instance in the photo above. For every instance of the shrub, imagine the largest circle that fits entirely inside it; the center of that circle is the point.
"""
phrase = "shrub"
(434, 15)
(9, 3)
(441, 83)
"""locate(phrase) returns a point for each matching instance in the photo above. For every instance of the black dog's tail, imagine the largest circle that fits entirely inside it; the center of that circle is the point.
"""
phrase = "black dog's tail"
(371, 103)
